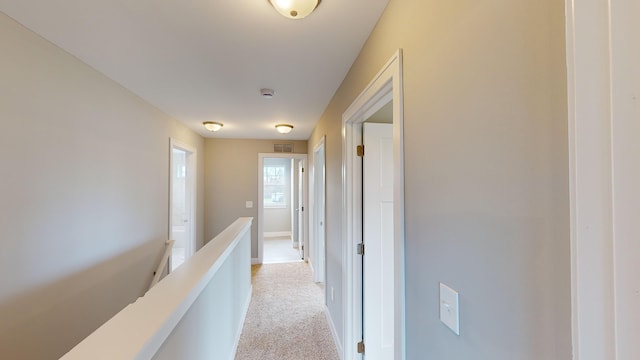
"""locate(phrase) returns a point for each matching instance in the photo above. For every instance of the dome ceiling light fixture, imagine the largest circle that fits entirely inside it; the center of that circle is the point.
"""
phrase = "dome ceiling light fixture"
(295, 9)
(267, 93)
(284, 128)
(212, 125)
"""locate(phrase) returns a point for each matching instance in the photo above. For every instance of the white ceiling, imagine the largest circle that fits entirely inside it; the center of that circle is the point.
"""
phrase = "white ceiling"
(206, 60)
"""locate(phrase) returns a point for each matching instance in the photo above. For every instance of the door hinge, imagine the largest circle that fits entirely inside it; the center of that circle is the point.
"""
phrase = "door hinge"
(360, 150)
(302, 208)
(361, 347)
(360, 249)
(302, 169)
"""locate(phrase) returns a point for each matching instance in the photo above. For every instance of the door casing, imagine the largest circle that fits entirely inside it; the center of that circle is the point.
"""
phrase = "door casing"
(386, 86)
(191, 195)
(260, 220)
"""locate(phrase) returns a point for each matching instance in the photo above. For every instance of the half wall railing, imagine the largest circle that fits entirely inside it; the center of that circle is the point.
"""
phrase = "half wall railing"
(194, 313)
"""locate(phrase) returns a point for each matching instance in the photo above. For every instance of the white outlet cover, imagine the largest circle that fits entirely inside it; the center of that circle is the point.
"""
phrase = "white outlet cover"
(249, 204)
(449, 310)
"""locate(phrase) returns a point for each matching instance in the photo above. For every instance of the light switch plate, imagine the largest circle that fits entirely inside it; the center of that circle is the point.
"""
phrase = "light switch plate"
(249, 204)
(449, 310)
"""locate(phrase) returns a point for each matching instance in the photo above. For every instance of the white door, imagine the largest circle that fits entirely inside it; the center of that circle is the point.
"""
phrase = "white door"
(378, 260)
(301, 244)
(319, 212)
(295, 206)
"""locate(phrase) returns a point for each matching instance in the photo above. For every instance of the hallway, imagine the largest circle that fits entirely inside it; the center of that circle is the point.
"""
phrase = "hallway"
(279, 250)
(286, 319)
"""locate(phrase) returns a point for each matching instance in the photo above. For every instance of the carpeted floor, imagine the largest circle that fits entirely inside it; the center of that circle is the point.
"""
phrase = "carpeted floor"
(286, 318)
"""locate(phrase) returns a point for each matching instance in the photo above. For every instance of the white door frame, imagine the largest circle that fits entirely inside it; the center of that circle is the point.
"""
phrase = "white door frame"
(261, 157)
(604, 168)
(295, 194)
(386, 86)
(191, 184)
(317, 254)
(300, 213)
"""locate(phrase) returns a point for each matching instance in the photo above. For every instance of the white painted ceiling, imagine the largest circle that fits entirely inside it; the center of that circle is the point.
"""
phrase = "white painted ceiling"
(206, 60)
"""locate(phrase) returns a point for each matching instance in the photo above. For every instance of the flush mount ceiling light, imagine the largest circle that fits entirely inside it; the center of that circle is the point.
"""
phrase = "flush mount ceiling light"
(212, 126)
(267, 93)
(295, 9)
(284, 128)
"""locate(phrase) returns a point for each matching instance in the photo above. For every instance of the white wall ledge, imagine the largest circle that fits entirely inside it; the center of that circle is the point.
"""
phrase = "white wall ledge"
(140, 329)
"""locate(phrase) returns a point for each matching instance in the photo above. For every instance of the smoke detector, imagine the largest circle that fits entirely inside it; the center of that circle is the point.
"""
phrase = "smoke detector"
(267, 93)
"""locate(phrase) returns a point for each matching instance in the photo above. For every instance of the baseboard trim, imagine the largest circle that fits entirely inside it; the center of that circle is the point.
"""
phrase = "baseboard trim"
(255, 261)
(334, 333)
(276, 234)
(244, 317)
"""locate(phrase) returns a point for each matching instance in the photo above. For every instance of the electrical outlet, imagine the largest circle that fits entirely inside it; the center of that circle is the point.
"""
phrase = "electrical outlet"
(332, 295)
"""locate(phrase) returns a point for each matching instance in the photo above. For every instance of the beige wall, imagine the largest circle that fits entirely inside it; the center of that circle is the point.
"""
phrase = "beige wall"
(232, 179)
(486, 174)
(84, 189)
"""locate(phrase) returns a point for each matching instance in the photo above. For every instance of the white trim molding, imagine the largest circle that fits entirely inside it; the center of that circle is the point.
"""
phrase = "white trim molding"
(386, 86)
(603, 86)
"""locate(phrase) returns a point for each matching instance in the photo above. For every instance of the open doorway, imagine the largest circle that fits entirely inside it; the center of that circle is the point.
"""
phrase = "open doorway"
(373, 187)
(281, 201)
(182, 203)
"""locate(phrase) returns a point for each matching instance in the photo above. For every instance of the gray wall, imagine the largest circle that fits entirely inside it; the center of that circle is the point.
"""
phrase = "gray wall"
(486, 174)
(232, 178)
(84, 189)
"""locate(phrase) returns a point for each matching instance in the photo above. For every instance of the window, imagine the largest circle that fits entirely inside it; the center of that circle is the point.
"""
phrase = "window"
(275, 184)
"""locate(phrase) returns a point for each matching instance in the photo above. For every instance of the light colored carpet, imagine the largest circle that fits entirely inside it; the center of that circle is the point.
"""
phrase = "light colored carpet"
(286, 318)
